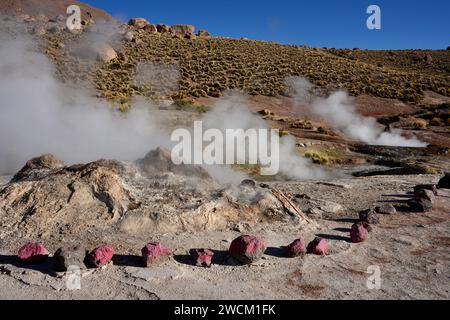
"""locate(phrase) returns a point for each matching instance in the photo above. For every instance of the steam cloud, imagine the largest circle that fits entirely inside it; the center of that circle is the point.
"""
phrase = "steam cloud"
(41, 115)
(339, 111)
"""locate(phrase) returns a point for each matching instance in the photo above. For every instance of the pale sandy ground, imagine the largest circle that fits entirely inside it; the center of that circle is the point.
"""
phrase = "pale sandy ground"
(411, 250)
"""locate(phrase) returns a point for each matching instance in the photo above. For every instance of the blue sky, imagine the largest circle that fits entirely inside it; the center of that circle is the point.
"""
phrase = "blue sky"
(320, 23)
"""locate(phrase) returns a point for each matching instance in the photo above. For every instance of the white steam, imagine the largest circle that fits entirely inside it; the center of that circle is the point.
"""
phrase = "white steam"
(40, 115)
(338, 110)
(232, 112)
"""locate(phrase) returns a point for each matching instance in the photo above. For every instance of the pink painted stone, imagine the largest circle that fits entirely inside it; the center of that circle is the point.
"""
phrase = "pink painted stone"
(202, 257)
(155, 252)
(358, 233)
(33, 252)
(318, 246)
(247, 249)
(296, 248)
(101, 256)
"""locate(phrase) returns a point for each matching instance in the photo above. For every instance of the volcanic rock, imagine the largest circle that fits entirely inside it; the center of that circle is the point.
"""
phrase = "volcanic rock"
(154, 253)
(318, 246)
(105, 53)
(386, 209)
(431, 187)
(369, 216)
(444, 183)
(151, 28)
(182, 30)
(66, 257)
(139, 23)
(420, 205)
(358, 233)
(297, 248)
(247, 249)
(100, 256)
(162, 28)
(425, 194)
(203, 34)
(202, 257)
(129, 36)
(33, 253)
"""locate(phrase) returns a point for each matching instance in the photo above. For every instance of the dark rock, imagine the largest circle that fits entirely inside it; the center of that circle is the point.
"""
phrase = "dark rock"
(425, 194)
(431, 187)
(162, 28)
(318, 246)
(444, 183)
(247, 249)
(369, 216)
(202, 257)
(420, 205)
(155, 252)
(69, 256)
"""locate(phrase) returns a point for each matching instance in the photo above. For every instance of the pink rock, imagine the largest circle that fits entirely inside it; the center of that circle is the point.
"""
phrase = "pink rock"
(155, 252)
(318, 246)
(202, 257)
(101, 256)
(247, 249)
(296, 248)
(358, 233)
(33, 253)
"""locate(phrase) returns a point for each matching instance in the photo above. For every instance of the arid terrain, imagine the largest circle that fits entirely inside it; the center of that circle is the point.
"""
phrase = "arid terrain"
(393, 134)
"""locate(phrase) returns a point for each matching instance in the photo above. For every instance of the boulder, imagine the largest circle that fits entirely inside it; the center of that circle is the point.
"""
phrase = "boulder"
(139, 23)
(425, 194)
(358, 232)
(420, 205)
(369, 216)
(202, 257)
(182, 30)
(100, 256)
(247, 249)
(163, 28)
(105, 53)
(431, 187)
(386, 209)
(318, 246)
(66, 257)
(129, 36)
(297, 248)
(155, 252)
(444, 183)
(203, 34)
(151, 28)
(33, 252)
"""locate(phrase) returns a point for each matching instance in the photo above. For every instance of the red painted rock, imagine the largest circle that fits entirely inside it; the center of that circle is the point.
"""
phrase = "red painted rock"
(247, 249)
(318, 246)
(101, 256)
(358, 233)
(202, 257)
(155, 252)
(33, 253)
(296, 248)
